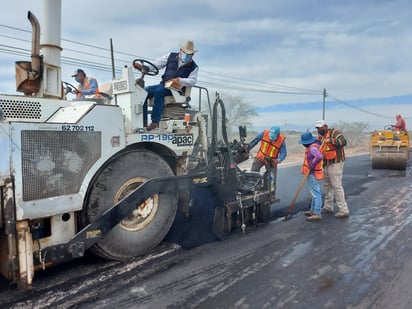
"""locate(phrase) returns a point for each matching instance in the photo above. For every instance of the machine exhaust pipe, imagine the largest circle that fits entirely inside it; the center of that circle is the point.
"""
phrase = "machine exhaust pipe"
(35, 45)
(28, 74)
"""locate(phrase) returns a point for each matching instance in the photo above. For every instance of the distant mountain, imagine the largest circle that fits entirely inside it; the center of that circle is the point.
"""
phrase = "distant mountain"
(287, 127)
(375, 112)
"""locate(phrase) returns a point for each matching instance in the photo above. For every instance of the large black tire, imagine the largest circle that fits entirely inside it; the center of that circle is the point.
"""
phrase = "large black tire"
(145, 227)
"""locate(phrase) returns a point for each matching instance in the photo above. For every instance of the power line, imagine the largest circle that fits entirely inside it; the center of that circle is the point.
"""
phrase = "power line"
(356, 107)
(228, 82)
(303, 90)
(219, 80)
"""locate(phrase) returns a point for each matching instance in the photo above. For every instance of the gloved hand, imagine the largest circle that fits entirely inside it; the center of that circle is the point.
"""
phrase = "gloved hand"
(174, 83)
(177, 83)
(137, 65)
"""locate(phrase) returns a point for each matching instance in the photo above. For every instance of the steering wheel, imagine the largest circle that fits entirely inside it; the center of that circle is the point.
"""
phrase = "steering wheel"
(144, 62)
(388, 127)
(69, 88)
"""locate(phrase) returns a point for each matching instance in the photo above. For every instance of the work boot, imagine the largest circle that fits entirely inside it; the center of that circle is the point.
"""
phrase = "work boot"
(342, 214)
(309, 213)
(327, 210)
(152, 126)
(314, 217)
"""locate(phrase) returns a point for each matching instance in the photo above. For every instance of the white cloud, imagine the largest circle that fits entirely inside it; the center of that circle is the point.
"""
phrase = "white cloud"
(354, 49)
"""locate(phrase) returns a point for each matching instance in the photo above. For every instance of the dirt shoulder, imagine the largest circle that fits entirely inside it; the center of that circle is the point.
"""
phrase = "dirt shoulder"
(295, 156)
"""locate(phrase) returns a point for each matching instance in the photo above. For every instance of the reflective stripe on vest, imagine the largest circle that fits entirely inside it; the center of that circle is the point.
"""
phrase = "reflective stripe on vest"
(269, 148)
(328, 150)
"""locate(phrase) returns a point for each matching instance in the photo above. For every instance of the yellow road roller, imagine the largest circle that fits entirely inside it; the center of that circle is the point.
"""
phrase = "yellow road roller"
(389, 149)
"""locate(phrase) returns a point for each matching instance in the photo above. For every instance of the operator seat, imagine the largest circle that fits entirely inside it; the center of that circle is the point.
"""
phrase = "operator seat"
(106, 91)
(104, 96)
(176, 104)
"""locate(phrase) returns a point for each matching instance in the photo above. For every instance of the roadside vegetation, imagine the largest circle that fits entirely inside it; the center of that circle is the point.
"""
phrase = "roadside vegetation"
(241, 113)
(357, 135)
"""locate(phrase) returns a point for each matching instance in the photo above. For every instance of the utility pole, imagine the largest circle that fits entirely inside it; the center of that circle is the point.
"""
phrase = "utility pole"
(324, 97)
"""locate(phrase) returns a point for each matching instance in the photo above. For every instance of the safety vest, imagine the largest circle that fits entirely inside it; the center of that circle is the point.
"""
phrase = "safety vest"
(328, 150)
(87, 86)
(318, 172)
(269, 148)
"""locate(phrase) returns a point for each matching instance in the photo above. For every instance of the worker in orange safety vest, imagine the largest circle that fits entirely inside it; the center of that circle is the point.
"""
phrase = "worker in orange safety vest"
(333, 152)
(272, 151)
(312, 169)
(87, 85)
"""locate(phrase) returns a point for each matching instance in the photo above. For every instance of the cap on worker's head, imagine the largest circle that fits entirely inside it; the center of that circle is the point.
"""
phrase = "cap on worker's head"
(275, 130)
(307, 138)
(274, 133)
(188, 47)
(78, 71)
(320, 124)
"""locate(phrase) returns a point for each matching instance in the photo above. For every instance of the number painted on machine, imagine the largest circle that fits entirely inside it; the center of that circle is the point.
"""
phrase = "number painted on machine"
(119, 86)
(70, 127)
(179, 140)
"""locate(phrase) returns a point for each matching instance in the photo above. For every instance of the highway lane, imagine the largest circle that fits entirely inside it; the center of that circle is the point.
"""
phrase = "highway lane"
(357, 169)
(197, 231)
(358, 262)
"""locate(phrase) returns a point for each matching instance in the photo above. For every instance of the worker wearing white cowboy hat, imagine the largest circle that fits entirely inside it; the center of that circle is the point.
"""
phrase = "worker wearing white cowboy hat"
(179, 68)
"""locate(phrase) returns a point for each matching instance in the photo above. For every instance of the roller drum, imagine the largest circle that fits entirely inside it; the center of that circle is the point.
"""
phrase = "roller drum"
(389, 157)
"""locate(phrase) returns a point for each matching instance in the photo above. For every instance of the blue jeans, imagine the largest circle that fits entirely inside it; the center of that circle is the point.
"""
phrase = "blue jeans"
(158, 93)
(314, 188)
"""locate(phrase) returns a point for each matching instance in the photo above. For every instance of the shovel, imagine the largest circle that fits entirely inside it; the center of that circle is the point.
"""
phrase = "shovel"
(299, 189)
(296, 196)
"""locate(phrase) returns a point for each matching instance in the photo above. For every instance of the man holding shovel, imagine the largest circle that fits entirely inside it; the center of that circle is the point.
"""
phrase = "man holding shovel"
(272, 151)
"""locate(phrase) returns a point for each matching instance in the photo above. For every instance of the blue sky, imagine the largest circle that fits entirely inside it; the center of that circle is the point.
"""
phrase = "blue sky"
(277, 55)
